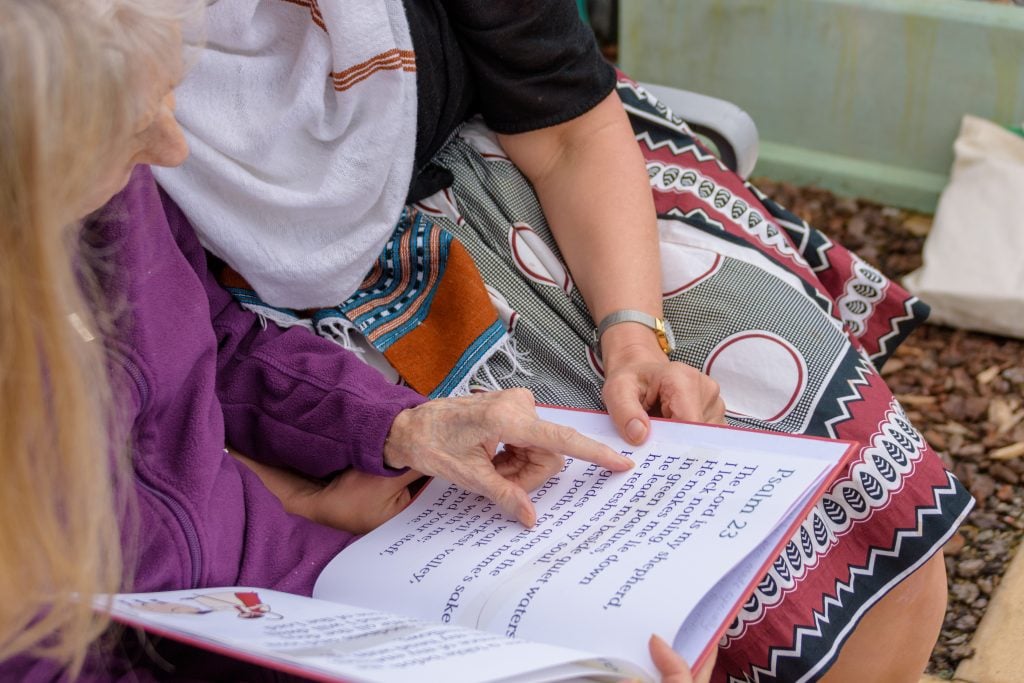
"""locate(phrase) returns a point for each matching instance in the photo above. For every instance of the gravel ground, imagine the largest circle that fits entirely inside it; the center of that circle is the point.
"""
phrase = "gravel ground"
(963, 390)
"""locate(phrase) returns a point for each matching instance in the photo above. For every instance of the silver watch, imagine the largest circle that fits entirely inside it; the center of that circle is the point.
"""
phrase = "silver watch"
(660, 326)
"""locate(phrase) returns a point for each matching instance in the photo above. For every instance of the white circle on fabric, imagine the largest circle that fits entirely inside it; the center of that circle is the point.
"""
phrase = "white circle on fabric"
(684, 266)
(483, 140)
(441, 204)
(505, 312)
(535, 259)
(760, 374)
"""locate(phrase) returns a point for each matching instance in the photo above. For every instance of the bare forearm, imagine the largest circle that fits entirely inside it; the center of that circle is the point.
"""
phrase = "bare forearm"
(592, 182)
(352, 501)
(295, 492)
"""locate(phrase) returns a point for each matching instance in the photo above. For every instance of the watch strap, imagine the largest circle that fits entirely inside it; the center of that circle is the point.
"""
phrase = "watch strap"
(660, 327)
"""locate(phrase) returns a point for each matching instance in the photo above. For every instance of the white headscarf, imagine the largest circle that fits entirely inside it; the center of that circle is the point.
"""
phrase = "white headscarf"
(301, 117)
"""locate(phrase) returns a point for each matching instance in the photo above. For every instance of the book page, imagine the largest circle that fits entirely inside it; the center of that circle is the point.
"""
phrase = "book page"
(718, 605)
(328, 641)
(613, 557)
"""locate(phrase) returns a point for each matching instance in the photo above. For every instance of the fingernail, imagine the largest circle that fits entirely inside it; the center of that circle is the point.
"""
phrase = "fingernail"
(636, 430)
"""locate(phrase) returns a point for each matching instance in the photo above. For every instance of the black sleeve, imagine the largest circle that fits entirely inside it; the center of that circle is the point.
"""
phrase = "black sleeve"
(534, 62)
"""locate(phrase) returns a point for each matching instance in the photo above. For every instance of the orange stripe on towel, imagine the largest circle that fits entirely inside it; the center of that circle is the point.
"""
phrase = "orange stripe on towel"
(391, 60)
(314, 11)
(460, 312)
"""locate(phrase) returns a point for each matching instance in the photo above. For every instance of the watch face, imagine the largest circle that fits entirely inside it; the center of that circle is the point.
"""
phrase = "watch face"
(665, 336)
(671, 338)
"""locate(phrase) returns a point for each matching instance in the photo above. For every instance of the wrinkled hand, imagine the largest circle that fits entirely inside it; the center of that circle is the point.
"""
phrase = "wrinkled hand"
(645, 384)
(673, 668)
(458, 438)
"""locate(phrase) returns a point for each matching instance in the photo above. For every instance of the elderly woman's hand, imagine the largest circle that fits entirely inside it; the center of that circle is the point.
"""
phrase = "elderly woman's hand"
(458, 439)
(641, 382)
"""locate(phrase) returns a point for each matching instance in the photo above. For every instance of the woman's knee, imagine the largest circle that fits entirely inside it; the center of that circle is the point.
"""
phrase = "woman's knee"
(894, 640)
(923, 594)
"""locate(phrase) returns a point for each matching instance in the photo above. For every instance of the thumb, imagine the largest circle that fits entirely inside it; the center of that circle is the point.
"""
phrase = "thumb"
(622, 399)
(671, 666)
(513, 500)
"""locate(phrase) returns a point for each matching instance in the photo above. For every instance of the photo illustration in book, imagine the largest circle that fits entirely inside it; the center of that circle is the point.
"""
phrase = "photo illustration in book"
(245, 604)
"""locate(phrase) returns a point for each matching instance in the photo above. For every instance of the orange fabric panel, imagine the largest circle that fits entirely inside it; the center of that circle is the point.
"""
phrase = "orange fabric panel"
(460, 312)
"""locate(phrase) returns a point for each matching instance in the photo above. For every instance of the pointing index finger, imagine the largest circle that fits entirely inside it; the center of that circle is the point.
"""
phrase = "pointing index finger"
(567, 441)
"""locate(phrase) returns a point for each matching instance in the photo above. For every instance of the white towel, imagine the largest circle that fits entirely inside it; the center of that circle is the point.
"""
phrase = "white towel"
(301, 118)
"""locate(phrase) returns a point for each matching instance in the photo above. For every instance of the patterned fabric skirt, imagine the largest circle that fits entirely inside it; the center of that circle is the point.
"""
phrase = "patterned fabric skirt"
(792, 326)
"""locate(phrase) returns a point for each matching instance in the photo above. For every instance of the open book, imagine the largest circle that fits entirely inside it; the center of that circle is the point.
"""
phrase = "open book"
(452, 590)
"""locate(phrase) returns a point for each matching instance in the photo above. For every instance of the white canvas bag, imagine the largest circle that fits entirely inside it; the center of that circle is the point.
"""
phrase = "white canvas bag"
(973, 272)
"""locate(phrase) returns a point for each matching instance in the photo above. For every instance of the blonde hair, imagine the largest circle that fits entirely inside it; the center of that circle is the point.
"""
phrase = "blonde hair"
(72, 78)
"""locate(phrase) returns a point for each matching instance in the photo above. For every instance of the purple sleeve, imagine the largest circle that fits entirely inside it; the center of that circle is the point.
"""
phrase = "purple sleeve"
(291, 398)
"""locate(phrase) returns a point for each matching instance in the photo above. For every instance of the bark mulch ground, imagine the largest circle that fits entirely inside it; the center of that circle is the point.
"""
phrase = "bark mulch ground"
(963, 391)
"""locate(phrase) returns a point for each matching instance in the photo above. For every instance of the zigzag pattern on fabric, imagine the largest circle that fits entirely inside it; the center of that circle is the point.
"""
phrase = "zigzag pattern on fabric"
(883, 464)
(865, 370)
(833, 605)
(673, 146)
(667, 177)
(915, 309)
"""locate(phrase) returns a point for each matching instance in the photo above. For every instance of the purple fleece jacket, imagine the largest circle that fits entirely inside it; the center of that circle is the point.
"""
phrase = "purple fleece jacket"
(200, 372)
